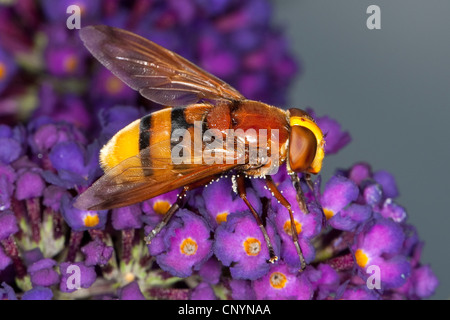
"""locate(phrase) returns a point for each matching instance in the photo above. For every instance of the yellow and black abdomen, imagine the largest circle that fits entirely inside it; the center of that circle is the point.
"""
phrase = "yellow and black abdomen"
(151, 136)
(153, 129)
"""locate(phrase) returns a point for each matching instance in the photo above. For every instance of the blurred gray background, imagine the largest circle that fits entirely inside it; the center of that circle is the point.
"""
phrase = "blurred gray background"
(390, 89)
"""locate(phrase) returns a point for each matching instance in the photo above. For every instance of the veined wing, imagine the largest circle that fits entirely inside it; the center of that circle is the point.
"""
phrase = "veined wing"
(159, 74)
(139, 178)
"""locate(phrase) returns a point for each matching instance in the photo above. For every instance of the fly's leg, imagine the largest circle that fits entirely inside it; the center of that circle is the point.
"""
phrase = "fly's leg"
(177, 205)
(277, 194)
(308, 181)
(300, 196)
(243, 194)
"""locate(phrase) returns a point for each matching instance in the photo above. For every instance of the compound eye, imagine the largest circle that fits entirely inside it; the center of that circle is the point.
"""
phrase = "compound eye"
(302, 148)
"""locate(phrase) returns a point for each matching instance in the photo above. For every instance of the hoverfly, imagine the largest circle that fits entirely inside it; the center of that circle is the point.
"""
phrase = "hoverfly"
(138, 160)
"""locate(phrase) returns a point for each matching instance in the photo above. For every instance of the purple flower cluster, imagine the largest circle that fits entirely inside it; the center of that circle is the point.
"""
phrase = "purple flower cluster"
(384, 248)
(355, 238)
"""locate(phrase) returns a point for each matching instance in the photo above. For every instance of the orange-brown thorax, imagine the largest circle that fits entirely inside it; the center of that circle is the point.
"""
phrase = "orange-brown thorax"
(254, 119)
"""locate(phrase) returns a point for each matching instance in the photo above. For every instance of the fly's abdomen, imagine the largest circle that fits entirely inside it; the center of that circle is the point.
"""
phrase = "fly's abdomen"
(155, 136)
(123, 145)
(146, 137)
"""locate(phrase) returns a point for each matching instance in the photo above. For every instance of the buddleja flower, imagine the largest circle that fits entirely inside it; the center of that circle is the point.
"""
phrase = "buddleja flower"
(212, 248)
(281, 283)
(184, 245)
(380, 246)
(240, 244)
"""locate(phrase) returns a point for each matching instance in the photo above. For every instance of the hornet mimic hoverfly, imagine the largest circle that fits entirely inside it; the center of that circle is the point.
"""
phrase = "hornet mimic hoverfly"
(139, 160)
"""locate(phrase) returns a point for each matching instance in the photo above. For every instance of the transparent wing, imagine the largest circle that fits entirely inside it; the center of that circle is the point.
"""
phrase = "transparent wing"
(140, 178)
(160, 75)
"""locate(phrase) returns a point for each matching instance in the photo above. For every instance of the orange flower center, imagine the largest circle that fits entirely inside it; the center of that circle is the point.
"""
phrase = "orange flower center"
(91, 220)
(278, 280)
(328, 213)
(188, 247)
(113, 85)
(71, 64)
(221, 217)
(361, 258)
(2, 71)
(161, 206)
(252, 246)
(288, 229)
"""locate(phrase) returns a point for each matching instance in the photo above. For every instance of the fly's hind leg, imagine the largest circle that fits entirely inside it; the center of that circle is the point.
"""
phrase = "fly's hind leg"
(177, 205)
(277, 194)
(243, 194)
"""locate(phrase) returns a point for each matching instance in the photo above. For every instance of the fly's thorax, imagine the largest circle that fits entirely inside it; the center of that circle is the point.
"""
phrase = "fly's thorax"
(266, 127)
